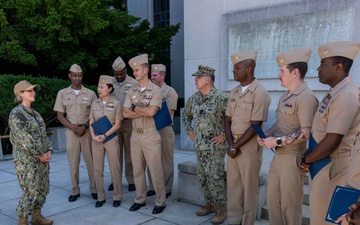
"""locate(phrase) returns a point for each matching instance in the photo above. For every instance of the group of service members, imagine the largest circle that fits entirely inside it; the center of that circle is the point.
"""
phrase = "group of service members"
(333, 123)
(129, 104)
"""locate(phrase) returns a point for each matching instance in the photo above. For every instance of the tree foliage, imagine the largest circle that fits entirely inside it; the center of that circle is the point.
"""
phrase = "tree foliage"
(45, 37)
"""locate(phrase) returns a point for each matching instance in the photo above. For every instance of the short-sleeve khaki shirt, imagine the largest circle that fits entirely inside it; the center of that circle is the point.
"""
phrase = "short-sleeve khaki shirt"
(252, 105)
(338, 113)
(121, 89)
(111, 109)
(76, 106)
(151, 96)
(295, 111)
(170, 96)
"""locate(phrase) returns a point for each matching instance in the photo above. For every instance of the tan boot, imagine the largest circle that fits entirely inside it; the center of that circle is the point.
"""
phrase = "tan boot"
(23, 221)
(220, 215)
(38, 219)
(208, 208)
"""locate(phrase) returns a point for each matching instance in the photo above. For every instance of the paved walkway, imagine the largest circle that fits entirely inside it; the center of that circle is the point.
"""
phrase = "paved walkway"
(83, 211)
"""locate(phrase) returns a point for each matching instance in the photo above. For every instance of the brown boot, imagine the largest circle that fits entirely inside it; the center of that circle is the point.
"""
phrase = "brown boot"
(208, 208)
(38, 219)
(220, 215)
(23, 221)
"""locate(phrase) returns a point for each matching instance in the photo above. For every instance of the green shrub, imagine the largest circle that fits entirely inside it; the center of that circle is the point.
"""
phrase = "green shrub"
(45, 98)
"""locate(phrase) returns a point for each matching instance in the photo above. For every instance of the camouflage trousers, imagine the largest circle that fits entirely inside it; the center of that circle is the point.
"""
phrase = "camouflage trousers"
(33, 179)
(210, 170)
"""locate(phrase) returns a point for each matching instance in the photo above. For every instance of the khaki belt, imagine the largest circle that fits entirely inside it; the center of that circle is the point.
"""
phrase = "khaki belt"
(236, 137)
(340, 155)
(141, 131)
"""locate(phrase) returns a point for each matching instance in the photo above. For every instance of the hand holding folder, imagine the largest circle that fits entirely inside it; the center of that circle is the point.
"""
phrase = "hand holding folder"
(101, 126)
(315, 167)
(340, 201)
(260, 132)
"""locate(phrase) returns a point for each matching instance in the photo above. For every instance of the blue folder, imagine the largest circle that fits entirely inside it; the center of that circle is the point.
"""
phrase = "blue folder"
(260, 132)
(341, 199)
(162, 118)
(315, 167)
(101, 126)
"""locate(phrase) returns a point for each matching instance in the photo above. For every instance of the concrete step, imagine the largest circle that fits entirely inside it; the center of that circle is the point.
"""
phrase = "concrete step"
(305, 212)
(306, 195)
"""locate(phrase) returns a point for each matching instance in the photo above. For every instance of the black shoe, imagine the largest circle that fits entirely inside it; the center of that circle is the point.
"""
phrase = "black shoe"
(168, 194)
(111, 187)
(73, 198)
(150, 193)
(158, 209)
(99, 203)
(94, 195)
(116, 203)
(131, 187)
(136, 206)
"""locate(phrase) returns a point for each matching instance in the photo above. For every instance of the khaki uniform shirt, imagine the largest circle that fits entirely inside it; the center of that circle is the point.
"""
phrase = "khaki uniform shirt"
(208, 114)
(338, 113)
(151, 96)
(295, 111)
(120, 90)
(252, 105)
(170, 96)
(111, 110)
(76, 106)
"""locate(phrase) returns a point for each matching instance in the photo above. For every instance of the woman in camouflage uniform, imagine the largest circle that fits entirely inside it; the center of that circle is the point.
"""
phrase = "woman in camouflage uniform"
(32, 152)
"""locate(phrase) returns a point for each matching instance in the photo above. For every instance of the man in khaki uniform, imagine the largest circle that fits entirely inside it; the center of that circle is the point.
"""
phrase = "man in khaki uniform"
(158, 73)
(294, 116)
(73, 108)
(141, 104)
(122, 84)
(335, 125)
(248, 104)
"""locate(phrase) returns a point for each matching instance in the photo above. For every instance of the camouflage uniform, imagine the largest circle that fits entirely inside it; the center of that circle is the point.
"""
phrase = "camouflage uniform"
(208, 115)
(29, 140)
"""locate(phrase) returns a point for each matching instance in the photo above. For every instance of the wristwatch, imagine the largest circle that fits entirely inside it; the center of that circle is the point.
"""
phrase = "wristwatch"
(232, 150)
(278, 141)
(303, 161)
(85, 125)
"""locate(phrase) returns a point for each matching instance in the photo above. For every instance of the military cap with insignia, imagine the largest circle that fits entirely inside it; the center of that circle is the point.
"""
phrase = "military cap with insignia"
(294, 55)
(75, 68)
(158, 67)
(204, 70)
(237, 57)
(138, 60)
(118, 64)
(105, 79)
(345, 49)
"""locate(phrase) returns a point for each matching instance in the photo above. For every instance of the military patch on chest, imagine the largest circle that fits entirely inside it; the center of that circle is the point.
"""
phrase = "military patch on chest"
(288, 105)
(127, 87)
(109, 106)
(67, 99)
(86, 101)
(147, 96)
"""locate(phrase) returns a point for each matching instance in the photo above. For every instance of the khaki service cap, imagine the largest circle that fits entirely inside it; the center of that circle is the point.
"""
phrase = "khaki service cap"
(237, 57)
(158, 67)
(75, 68)
(294, 55)
(118, 64)
(138, 60)
(345, 49)
(105, 79)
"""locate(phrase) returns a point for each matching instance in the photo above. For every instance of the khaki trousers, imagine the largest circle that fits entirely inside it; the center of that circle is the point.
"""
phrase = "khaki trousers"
(124, 143)
(243, 184)
(323, 186)
(353, 177)
(146, 150)
(75, 145)
(112, 151)
(167, 156)
(285, 190)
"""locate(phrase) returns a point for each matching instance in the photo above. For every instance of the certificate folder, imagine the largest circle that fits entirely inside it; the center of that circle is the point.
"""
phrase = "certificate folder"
(101, 126)
(162, 117)
(341, 199)
(260, 132)
(315, 167)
